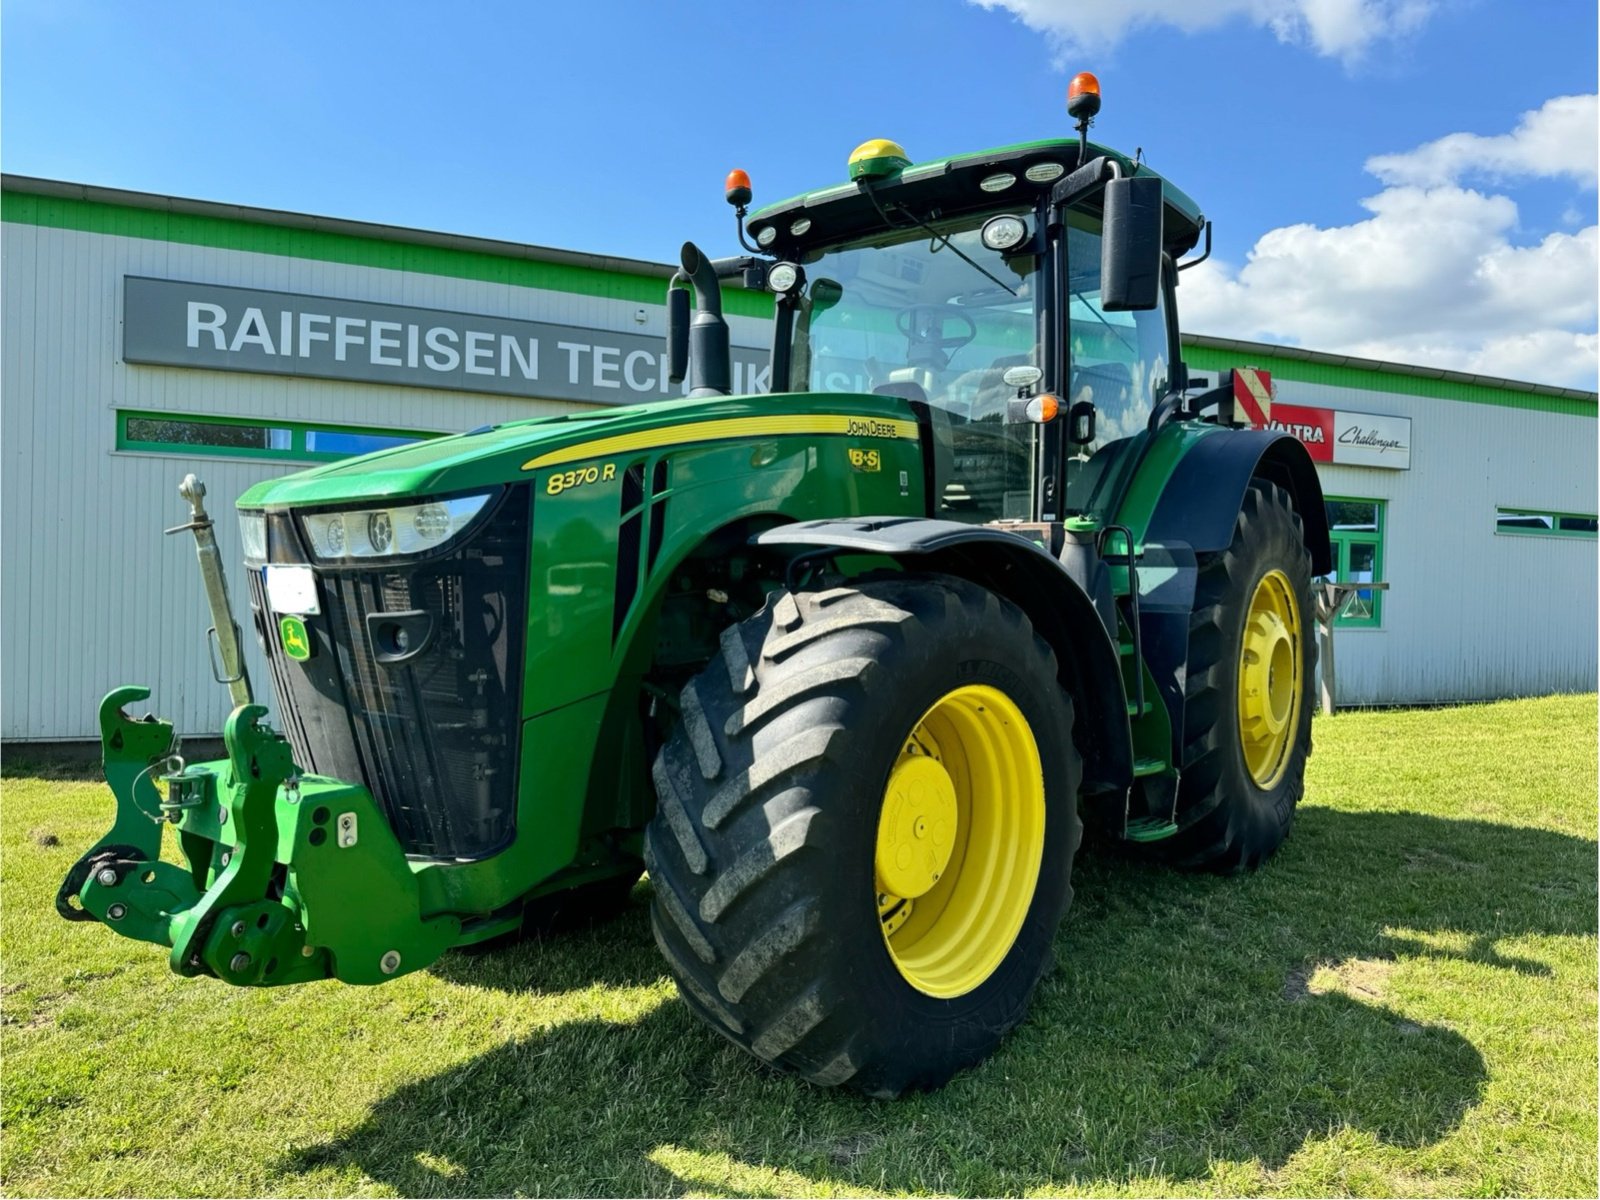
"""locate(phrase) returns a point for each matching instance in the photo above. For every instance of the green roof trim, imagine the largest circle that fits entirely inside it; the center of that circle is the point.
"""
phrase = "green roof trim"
(290, 238)
(1174, 195)
(1309, 366)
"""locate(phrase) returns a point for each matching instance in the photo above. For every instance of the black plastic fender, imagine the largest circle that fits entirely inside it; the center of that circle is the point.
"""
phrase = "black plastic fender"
(1201, 501)
(1025, 574)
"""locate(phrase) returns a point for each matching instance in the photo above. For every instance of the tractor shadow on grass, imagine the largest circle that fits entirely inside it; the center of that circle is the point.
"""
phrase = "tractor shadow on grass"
(1190, 1023)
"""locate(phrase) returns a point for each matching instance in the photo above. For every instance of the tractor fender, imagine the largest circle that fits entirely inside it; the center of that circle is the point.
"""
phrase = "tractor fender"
(1201, 500)
(1021, 571)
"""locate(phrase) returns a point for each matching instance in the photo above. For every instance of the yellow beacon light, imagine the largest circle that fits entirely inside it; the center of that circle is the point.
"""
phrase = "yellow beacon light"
(878, 158)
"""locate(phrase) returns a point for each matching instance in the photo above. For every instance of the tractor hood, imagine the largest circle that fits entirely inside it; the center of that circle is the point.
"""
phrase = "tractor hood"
(507, 453)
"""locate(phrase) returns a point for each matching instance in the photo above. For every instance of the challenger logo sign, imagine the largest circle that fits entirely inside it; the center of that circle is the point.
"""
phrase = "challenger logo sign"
(1349, 438)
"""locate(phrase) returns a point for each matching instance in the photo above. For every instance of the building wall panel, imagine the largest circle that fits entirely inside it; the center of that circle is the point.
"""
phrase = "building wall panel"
(102, 598)
(106, 599)
(1470, 614)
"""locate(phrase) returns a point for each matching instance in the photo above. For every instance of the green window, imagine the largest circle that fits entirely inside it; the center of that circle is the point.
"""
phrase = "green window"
(233, 437)
(1541, 522)
(1355, 527)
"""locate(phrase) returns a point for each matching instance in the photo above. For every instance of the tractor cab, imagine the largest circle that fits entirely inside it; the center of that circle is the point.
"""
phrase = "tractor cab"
(986, 289)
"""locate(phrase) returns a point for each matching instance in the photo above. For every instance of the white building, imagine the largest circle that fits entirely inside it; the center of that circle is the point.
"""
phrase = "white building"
(1474, 498)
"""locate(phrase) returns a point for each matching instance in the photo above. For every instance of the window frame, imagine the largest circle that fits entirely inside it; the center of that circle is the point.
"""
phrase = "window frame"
(1555, 531)
(296, 451)
(1340, 542)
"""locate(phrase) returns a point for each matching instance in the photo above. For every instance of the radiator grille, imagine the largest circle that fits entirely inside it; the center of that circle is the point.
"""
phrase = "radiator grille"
(434, 736)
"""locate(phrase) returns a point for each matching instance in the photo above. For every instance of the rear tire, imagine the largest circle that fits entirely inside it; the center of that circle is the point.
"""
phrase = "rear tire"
(766, 847)
(1246, 744)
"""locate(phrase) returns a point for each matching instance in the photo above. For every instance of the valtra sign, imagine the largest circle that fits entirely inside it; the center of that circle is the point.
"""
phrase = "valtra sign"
(220, 328)
(1347, 438)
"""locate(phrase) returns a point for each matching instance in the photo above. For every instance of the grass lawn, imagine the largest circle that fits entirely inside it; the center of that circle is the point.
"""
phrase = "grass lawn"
(1402, 1002)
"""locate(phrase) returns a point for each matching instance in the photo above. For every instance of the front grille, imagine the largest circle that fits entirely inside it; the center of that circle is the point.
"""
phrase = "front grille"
(433, 734)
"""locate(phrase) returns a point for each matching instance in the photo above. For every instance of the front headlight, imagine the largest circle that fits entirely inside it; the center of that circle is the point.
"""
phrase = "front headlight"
(392, 531)
(253, 533)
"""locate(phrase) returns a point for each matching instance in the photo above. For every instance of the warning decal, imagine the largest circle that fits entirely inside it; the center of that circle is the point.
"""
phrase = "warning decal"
(1252, 396)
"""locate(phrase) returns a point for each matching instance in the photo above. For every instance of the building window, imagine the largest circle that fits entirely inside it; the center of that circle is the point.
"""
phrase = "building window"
(231, 437)
(1355, 528)
(1539, 522)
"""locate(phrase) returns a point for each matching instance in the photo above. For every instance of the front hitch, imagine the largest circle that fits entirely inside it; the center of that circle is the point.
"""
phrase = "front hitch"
(286, 878)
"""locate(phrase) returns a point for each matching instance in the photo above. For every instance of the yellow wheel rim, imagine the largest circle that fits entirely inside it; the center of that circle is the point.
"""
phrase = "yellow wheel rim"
(960, 840)
(1271, 680)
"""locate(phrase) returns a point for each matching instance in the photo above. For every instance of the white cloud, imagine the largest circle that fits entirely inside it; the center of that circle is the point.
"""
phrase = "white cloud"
(1560, 139)
(1343, 29)
(1435, 275)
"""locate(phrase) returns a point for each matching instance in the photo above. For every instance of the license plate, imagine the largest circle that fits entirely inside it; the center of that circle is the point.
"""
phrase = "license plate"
(292, 589)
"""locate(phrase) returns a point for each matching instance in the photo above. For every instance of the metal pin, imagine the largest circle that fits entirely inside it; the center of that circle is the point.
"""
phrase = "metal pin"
(117, 911)
(238, 929)
(390, 962)
(239, 962)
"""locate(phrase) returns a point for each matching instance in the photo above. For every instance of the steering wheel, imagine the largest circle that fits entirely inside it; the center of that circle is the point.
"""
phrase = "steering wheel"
(923, 327)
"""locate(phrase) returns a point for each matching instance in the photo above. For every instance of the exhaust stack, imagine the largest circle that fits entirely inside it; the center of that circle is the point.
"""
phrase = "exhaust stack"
(704, 339)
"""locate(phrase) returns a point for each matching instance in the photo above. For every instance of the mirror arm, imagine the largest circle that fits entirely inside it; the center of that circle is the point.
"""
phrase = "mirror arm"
(727, 268)
(1168, 408)
(1195, 262)
(1084, 182)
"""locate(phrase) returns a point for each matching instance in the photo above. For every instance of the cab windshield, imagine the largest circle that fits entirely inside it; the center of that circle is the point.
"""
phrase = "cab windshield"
(901, 313)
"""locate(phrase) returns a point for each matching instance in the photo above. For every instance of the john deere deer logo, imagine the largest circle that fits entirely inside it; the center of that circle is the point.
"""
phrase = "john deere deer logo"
(296, 641)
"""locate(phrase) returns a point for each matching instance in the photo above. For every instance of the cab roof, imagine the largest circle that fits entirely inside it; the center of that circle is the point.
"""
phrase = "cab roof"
(950, 186)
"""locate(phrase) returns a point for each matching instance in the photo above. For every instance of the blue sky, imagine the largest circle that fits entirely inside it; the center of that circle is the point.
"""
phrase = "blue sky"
(608, 126)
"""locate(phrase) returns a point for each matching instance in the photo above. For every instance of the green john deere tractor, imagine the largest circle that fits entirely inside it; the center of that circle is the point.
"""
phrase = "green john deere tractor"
(846, 667)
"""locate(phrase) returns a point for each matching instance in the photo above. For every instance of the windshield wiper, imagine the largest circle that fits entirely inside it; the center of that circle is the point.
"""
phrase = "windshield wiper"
(941, 238)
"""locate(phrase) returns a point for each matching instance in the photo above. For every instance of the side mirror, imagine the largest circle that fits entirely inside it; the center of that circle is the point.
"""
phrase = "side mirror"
(1130, 247)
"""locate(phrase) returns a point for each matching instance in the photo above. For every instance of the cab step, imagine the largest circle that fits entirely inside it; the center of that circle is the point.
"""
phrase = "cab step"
(1149, 829)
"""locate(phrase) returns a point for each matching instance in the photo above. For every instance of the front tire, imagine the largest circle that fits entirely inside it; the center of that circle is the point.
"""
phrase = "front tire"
(865, 831)
(1247, 720)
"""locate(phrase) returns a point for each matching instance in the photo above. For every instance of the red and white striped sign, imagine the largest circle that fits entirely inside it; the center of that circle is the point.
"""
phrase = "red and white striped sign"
(1252, 397)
